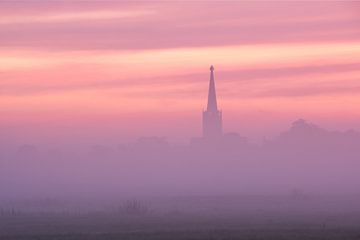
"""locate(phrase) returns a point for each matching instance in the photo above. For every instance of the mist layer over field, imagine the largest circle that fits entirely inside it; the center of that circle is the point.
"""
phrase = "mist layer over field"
(306, 157)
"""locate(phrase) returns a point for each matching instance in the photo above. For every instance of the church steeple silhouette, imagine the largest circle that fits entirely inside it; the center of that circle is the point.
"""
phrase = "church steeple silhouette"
(212, 103)
(212, 117)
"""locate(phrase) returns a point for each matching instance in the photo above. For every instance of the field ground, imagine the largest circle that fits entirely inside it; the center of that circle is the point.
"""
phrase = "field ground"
(193, 218)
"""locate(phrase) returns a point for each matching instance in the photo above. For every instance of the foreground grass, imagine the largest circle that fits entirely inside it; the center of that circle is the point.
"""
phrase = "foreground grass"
(98, 227)
(255, 234)
(213, 219)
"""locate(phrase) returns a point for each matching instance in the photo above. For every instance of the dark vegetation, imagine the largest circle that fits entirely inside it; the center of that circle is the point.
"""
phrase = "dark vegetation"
(254, 218)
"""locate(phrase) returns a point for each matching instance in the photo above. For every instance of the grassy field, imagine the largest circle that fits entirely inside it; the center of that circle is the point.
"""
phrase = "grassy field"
(195, 218)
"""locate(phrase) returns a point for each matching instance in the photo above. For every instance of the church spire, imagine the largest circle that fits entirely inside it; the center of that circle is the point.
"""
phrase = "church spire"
(212, 117)
(212, 103)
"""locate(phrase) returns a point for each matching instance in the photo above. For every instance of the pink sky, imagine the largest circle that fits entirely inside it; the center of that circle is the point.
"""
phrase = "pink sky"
(109, 72)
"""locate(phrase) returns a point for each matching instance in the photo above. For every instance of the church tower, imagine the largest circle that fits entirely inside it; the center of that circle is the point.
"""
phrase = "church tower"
(212, 117)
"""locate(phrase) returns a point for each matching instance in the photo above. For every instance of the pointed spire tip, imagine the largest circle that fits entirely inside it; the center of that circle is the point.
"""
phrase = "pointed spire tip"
(212, 104)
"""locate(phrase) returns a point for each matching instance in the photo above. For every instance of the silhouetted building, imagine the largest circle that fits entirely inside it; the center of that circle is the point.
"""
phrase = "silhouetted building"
(212, 117)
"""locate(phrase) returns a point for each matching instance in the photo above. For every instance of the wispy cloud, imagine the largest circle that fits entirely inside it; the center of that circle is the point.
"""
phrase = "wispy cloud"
(64, 17)
(289, 82)
(175, 25)
(304, 91)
